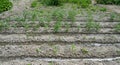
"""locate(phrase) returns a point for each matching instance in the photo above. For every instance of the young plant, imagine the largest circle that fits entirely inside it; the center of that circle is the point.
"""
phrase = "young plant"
(26, 26)
(51, 2)
(73, 47)
(71, 15)
(29, 64)
(118, 52)
(34, 3)
(4, 25)
(78, 28)
(51, 63)
(117, 27)
(67, 27)
(55, 49)
(112, 16)
(58, 14)
(36, 27)
(34, 15)
(57, 26)
(92, 26)
(38, 50)
(84, 51)
(103, 9)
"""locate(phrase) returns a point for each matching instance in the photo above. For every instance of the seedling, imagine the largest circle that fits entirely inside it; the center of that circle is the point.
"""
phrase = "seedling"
(38, 50)
(118, 52)
(78, 28)
(73, 47)
(25, 14)
(42, 22)
(57, 26)
(103, 9)
(36, 27)
(84, 37)
(26, 26)
(71, 15)
(92, 26)
(55, 49)
(51, 63)
(4, 25)
(34, 16)
(117, 27)
(58, 14)
(34, 3)
(84, 51)
(67, 27)
(29, 64)
(112, 16)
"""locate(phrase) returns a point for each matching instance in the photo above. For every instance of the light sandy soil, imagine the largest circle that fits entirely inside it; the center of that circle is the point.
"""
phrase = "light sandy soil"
(75, 47)
(113, 8)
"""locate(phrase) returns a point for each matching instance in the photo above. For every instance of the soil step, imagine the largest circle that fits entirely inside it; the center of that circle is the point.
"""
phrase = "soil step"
(60, 51)
(63, 24)
(96, 17)
(43, 30)
(97, 38)
(29, 61)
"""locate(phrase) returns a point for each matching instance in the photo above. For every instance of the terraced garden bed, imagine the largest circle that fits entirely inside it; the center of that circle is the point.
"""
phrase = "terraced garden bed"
(63, 35)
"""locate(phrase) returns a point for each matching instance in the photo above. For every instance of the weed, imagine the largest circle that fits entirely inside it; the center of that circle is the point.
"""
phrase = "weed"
(84, 51)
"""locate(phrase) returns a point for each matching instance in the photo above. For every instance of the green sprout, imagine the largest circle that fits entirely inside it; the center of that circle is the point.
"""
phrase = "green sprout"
(84, 51)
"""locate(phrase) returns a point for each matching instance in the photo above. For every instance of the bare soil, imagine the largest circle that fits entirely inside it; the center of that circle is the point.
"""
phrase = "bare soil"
(19, 46)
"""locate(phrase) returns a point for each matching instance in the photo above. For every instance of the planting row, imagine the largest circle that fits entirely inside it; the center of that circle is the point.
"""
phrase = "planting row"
(62, 24)
(59, 51)
(51, 30)
(69, 62)
(97, 38)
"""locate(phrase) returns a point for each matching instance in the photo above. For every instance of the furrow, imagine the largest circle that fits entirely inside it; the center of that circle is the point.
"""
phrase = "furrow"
(98, 38)
(43, 30)
(59, 51)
